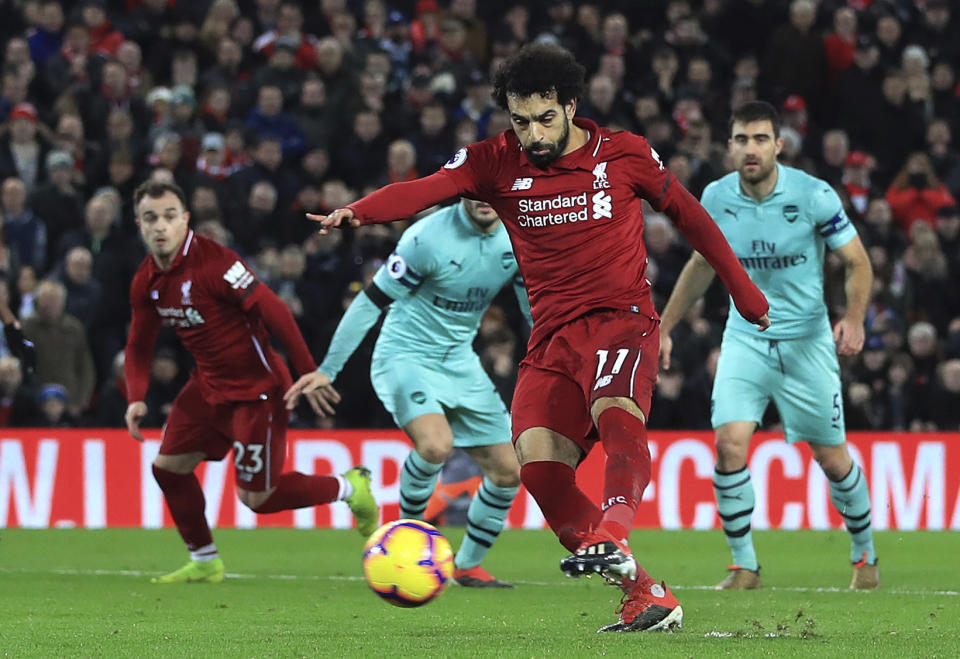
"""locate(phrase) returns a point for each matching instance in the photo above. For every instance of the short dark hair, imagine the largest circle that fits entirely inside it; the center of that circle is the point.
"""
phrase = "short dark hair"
(542, 69)
(756, 111)
(155, 190)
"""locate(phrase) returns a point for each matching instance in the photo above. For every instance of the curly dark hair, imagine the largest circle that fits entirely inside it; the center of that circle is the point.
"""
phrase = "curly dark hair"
(539, 68)
(756, 111)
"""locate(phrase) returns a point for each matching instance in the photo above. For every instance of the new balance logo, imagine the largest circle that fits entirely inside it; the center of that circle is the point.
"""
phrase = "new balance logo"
(603, 382)
(522, 184)
(602, 205)
(238, 276)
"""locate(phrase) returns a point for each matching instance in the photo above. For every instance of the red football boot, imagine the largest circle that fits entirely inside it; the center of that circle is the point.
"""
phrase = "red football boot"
(646, 606)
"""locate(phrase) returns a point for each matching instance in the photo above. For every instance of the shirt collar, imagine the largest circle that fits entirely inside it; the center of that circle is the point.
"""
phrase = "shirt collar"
(468, 226)
(575, 159)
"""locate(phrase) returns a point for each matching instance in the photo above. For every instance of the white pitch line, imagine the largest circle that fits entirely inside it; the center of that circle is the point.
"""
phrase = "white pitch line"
(344, 577)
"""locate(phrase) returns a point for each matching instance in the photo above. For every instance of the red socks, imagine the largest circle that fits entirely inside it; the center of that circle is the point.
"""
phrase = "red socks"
(566, 508)
(624, 439)
(296, 490)
(186, 504)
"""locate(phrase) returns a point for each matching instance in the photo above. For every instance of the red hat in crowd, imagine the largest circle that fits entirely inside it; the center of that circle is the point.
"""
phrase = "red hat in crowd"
(856, 159)
(24, 111)
(794, 103)
(424, 6)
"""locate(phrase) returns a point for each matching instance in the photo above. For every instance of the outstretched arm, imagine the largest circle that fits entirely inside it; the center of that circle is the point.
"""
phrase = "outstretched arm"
(848, 333)
(391, 202)
(362, 314)
(280, 322)
(693, 282)
(705, 237)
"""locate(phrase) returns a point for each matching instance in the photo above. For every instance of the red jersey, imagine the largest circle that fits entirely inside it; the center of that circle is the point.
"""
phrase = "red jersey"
(209, 295)
(576, 226)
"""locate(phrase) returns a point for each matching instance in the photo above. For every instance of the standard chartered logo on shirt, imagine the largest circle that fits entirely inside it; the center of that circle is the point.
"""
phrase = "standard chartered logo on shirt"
(572, 208)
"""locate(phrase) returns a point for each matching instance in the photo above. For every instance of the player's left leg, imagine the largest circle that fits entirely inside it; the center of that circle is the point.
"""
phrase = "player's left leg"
(592, 380)
(259, 432)
(617, 374)
(851, 498)
(487, 513)
(811, 406)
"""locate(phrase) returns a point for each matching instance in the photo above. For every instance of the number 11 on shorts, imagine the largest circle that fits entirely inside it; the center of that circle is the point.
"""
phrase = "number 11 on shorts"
(602, 355)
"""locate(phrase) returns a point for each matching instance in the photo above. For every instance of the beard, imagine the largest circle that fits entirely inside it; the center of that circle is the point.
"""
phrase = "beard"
(553, 151)
(760, 174)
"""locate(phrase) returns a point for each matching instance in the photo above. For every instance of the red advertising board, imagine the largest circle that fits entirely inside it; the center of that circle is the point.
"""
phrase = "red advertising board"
(102, 478)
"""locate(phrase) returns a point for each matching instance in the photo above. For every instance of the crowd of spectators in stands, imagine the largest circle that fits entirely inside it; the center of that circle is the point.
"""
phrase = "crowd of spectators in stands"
(263, 110)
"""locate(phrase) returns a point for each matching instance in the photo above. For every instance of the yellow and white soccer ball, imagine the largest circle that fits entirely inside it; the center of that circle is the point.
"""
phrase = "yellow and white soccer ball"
(408, 562)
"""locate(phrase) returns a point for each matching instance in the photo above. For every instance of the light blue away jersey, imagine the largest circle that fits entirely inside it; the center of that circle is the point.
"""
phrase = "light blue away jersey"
(443, 275)
(780, 242)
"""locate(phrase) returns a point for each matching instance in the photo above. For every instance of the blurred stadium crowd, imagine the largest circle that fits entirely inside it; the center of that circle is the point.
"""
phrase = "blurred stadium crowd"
(265, 109)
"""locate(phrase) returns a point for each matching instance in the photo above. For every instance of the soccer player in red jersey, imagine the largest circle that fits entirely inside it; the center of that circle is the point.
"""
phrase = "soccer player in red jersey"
(570, 194)
(234, 398)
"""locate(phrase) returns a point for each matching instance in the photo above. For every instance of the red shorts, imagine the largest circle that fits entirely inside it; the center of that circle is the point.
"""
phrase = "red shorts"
(602, 354)
(255, 430)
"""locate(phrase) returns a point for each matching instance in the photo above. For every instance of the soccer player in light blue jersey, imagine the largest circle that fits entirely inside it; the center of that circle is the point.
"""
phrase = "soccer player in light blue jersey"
(436, 285)
(779, 220)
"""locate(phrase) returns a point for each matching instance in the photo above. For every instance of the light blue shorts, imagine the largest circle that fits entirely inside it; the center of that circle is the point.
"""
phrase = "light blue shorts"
(460, 390)
(801, 376)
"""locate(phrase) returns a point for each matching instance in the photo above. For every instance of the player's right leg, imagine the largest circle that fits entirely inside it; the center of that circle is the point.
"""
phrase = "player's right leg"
(747, 372)
(188, 439)
(432, 444)
(735, 500)
(185, 501)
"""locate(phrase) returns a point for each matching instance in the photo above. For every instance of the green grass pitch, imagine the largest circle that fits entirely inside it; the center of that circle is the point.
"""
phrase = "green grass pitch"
(290, 593)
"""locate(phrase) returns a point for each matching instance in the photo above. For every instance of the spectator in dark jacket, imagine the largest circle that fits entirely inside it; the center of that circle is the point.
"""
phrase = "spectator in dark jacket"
(58, 202)
(795, 60)
(23, 151)
(63, 354)
(45, 39)
(362, 156)
(268, 117)
(84, 292)
(945, 401)
(23, 231)
(18, 406)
